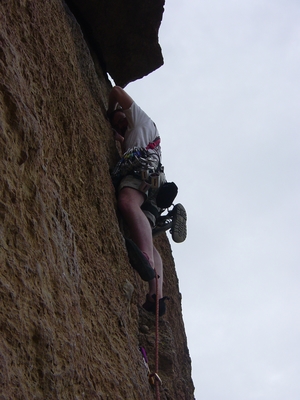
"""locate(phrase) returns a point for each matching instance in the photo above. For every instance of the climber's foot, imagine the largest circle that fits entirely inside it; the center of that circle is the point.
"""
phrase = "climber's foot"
(150, 304)
(179, 230)
(139, 261)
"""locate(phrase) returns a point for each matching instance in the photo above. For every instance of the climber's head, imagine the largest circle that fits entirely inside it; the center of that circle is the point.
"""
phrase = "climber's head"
(119, 121)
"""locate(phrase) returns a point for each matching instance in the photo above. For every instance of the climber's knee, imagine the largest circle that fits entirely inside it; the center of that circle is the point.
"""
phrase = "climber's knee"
(129, 199)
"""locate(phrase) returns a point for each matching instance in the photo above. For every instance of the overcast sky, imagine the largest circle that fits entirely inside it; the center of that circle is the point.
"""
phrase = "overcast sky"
(227, 105)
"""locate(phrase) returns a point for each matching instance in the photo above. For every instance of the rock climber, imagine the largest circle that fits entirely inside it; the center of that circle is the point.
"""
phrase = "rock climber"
(140, 175)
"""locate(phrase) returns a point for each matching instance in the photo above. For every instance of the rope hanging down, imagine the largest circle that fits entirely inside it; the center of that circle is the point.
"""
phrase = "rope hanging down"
(154, 378)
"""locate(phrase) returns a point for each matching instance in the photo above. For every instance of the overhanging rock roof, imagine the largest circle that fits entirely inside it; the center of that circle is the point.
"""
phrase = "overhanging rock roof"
(123, 35)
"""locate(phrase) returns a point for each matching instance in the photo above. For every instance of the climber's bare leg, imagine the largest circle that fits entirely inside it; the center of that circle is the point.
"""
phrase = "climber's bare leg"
(159, 270)
(129, 203)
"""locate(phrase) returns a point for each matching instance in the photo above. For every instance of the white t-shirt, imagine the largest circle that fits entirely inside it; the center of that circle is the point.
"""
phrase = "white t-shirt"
(141, 129)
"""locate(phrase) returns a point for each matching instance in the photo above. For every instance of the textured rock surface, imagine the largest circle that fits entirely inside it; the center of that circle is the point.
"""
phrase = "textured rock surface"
(123, 34)
(70, 315)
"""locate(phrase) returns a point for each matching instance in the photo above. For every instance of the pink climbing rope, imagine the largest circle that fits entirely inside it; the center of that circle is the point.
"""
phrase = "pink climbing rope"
(154, 379)
(157, 380)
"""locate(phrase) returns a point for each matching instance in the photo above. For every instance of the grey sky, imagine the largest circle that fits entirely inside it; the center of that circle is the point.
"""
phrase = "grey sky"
(226, 103)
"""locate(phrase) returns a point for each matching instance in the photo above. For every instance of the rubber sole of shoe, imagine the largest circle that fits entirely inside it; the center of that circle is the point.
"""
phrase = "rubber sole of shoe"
(138, 261)
(179, 230)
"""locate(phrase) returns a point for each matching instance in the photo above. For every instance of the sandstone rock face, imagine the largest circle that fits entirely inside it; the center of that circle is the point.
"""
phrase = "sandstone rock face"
(123, 34)
(70, 317)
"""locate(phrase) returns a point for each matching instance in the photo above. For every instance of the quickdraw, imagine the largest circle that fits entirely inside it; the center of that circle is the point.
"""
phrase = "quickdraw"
(153, 378)
(145, 359)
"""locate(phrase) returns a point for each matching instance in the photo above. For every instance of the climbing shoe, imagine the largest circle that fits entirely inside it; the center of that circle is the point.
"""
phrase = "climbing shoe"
(150, 304)
(139, 261)
(179, 230)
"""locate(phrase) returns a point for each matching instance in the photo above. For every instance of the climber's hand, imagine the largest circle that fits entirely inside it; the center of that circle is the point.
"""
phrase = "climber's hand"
(117, 136)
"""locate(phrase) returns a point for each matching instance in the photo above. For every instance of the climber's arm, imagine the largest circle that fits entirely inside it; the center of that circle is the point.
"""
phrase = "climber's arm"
(118, 96)
(119, 139)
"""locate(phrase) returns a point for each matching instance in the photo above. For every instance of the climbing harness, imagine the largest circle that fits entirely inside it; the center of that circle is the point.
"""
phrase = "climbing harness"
(154, 144)
(136, 159)
(141, 162)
